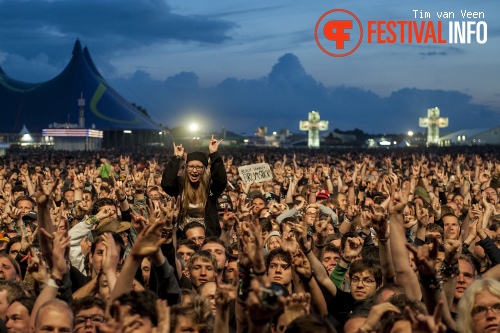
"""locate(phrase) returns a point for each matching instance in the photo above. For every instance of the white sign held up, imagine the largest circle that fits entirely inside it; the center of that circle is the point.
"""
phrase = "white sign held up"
(255, 172)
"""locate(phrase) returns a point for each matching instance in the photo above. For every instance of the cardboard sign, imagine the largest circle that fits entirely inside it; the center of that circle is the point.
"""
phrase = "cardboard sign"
(255, 172)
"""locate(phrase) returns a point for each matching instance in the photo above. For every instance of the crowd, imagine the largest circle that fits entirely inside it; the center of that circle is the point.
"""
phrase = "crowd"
(176, 241)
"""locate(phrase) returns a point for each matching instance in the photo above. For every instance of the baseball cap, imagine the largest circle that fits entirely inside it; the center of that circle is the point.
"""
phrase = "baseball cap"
(30, 216)
(323, 194)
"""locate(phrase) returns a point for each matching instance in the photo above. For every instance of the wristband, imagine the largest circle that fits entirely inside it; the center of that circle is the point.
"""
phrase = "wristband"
(59, 282)
(345, 260)
(93, 220)
(449, 270)
(431, 282)
(320, 246)
(327, 177)
(307, 251)
(52, 283)
(306, 279)
(122, 200)
(259, 273)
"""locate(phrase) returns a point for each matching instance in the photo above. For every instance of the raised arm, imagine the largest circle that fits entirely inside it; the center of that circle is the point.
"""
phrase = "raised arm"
(59, 268)
(319, 271)
(405, 276)
(148, 243)
(381, 225)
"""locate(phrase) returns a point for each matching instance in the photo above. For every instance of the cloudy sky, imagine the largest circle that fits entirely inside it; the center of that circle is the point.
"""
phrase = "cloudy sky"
(245, 64)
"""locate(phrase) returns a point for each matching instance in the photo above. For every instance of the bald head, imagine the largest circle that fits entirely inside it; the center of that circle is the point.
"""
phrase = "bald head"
(54, 315)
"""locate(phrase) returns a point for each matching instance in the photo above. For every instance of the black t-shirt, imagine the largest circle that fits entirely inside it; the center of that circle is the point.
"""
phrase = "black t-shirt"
(343, 304)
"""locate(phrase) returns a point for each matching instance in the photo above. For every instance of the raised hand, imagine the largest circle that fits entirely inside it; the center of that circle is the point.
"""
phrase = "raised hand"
(59, 245)
(226, 293)
(422, 216)
(372, 322)
(289, 242)
(178, 150)
(296, 305)
(397, 203)
(229, 220)
(451, 250)
(213, 145)
(163, 311)
(110, 257)
(301, 264)
(321, 231)
(148, 241)
(425, 257)
(380, 223)
(37, 267)
(352, 248)
(46, 189)
(255, 247)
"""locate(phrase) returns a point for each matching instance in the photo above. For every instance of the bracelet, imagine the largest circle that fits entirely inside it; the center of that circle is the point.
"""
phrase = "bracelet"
(466, 245)
(242, 270)
(259, 273)
(122, 200)
(52, 283)
(431, 282)
(320, 246)
(449, 270)
(306, 279)
(93, 220)
(168, 232)
(307, 251)
(327, 177)
(138, 191)
(345, 260)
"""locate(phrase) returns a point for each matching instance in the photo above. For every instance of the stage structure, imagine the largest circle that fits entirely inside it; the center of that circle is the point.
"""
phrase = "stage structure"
(433, 122)
(313, 125)
(72, 137)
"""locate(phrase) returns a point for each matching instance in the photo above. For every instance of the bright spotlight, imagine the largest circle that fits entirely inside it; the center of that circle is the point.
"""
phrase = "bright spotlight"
(193, 127)
(410, 133)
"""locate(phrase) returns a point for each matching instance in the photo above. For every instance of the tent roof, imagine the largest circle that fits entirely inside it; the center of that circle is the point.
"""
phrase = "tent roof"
(39, 104)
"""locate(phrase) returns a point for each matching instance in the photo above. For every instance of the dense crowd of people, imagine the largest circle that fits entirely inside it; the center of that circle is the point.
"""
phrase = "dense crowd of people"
(404, 240)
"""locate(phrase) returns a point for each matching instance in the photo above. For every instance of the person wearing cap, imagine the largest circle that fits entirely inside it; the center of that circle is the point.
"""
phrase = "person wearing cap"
(197, 187)
(322, 195)
(102, 211)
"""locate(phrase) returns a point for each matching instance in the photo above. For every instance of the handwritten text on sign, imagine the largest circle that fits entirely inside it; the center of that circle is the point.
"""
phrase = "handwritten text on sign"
(255, 172)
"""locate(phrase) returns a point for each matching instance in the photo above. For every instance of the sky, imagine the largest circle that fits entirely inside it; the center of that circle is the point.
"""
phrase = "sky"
(245, 64)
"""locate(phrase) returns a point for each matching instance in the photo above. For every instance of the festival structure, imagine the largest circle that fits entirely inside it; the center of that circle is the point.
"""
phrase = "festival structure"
(433, 122)
(57, 104)
(313, 125)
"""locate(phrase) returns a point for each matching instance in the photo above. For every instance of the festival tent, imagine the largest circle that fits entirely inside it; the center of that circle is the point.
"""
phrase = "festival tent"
(39, 105)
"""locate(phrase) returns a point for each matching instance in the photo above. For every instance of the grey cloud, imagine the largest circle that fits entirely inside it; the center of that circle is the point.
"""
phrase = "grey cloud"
(433, 53)
(284, 97)
(107, 25)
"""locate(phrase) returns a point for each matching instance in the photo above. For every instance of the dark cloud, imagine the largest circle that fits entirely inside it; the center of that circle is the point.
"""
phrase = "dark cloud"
(282, 98)
(33, 26)
(433, 53)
